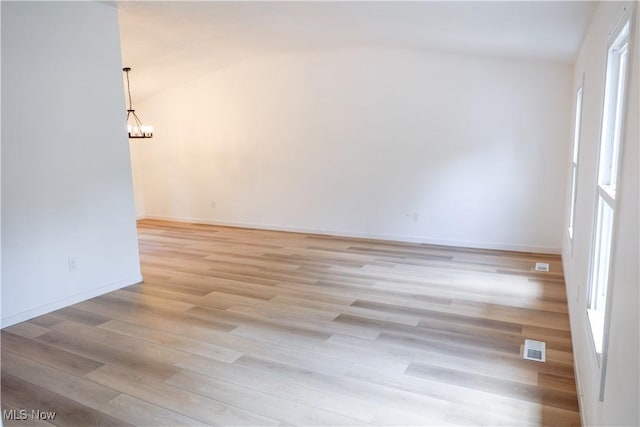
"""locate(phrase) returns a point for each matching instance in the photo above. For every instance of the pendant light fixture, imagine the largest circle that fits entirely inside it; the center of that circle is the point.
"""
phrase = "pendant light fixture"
(135, 127)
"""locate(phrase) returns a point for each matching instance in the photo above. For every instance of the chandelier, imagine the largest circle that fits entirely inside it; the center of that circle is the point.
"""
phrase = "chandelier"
(134, 125)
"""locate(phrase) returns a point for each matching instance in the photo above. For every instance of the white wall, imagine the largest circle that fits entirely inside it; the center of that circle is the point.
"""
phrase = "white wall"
(374, 142)
(622, 387)
(66, 180)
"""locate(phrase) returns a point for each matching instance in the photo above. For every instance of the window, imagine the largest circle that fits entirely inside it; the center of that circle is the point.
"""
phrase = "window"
(574, 162)
(612, 126)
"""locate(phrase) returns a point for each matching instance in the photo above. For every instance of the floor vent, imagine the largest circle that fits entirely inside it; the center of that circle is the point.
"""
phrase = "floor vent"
(542, 266)
(534, 350)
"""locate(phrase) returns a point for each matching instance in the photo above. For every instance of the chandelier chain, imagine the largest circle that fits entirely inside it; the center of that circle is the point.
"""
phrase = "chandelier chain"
(129, 92)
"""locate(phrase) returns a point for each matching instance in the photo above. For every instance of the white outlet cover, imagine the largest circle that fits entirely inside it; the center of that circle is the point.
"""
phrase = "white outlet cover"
(542, 266)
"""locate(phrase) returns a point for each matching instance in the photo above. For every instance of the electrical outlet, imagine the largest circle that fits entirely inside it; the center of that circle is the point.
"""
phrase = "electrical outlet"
(73, 264)
(415, 216)
(213, 205)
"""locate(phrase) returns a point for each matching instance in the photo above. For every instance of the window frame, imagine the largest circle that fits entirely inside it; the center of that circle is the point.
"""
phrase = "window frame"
(575, 153)
(619, 41)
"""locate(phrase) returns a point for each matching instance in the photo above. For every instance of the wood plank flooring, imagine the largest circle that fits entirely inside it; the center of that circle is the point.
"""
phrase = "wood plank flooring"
(252, 327)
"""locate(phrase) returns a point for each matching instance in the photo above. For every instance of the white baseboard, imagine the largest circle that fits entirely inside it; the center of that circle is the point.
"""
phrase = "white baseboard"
(376, 236)
(65, 302)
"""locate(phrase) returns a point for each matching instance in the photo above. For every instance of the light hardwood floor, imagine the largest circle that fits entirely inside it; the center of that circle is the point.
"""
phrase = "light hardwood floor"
(251, 327)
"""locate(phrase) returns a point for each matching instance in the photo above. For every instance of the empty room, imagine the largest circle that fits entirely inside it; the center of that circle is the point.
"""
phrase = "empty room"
(317, 213)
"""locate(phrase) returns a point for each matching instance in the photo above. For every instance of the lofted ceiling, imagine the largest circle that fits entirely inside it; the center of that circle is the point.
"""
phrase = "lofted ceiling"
(168, 42)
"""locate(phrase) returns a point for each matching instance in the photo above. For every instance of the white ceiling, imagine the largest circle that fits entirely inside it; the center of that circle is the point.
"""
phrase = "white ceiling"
(168, 42)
